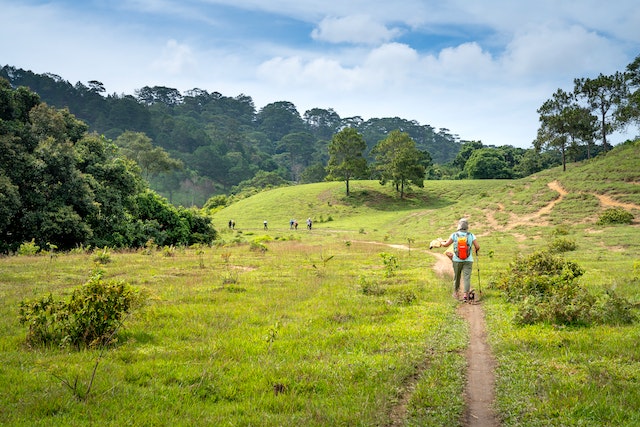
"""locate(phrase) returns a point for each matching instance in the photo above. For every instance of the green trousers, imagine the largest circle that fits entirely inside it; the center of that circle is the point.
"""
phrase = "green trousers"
(462, 270)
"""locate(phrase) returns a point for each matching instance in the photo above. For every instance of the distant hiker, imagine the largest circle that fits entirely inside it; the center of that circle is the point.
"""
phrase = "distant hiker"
(291, 221)
(295, 224)
(233, 224)
(309, 223)
(265, 225)
(462, 258)
(230, 224)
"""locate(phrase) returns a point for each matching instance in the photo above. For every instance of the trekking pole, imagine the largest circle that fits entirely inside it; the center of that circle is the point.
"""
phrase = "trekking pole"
(478, 266)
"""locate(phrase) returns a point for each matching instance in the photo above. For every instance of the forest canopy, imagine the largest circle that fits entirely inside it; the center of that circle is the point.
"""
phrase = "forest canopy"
(62, 187)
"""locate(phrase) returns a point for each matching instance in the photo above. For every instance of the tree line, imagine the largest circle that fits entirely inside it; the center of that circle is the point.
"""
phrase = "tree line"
(223, 145)
(62, 187)
(196, 144)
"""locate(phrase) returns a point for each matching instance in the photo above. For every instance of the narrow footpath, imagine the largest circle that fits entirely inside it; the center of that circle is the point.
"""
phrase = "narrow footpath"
(479, 392)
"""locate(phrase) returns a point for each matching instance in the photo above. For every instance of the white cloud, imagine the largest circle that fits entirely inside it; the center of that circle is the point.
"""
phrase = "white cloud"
(360, 29)
(464, 63)
(569, 51)
(176, 58)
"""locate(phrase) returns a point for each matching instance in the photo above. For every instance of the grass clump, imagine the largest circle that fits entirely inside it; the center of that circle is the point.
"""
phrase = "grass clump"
(89, 318)
(544, 287)
(615, 216)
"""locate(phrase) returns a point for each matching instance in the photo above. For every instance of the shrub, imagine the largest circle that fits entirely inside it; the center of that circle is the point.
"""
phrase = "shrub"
(615, 216)
(258, 246)
(390, 264)
(29, 248)
(406, 297)
(544, 289)
(561, 244)
(90, 318)
(536, 275)
(611, 309)
(103, 257)
(561, 230)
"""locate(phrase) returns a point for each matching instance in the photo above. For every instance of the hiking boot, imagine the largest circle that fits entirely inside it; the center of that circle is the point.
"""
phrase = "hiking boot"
(465, 297)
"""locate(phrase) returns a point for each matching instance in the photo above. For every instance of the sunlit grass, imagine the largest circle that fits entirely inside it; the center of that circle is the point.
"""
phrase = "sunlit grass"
(314, 330)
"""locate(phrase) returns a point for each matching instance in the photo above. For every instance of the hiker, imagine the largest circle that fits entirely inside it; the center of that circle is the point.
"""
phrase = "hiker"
(309, 223)
(265, 225)
(462, 258)
(291, 221)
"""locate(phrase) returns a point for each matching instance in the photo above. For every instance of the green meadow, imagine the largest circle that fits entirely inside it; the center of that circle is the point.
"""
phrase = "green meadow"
(346, 324)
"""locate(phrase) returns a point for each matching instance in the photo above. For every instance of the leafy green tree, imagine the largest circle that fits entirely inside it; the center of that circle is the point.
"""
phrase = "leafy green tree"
(159, 94)
(553, 126)
(152, 160)
(465, 152)
(563, 124)
(487, 163)
(346, 159)
(603, 96)
(322, 123)
(400, 162)
(299, 145)
(314, 173)
(279, 119)
(630, 110)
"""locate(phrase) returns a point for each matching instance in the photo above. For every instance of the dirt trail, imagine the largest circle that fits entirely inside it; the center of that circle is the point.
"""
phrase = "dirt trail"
(537, 217)
(479, 391)
(480, 388)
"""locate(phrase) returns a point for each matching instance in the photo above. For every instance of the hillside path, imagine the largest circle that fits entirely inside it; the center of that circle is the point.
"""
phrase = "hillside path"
(479, 392)
(537, 217)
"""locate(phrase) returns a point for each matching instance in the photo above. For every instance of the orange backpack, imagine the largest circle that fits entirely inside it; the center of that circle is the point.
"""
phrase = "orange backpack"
(462, 247)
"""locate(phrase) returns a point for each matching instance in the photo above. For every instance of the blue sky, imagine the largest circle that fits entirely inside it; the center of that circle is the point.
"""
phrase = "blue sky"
(480, 68)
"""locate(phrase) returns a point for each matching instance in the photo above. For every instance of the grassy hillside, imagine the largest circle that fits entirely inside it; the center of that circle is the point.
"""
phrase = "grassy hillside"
(339, 325)
(374, 211)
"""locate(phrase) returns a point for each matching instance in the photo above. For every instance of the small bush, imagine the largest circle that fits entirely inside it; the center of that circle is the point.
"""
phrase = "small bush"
(560, 245)
(90, 318)
(543, 287)
(611, 309)
(169, 251)
(103, 257)
(28, 248)
(561, 230)
(615, 216)
(536, 275)
(258, 246)
(390, 264)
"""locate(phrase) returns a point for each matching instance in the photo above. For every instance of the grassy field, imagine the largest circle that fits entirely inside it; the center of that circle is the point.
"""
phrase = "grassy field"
(339, 325)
